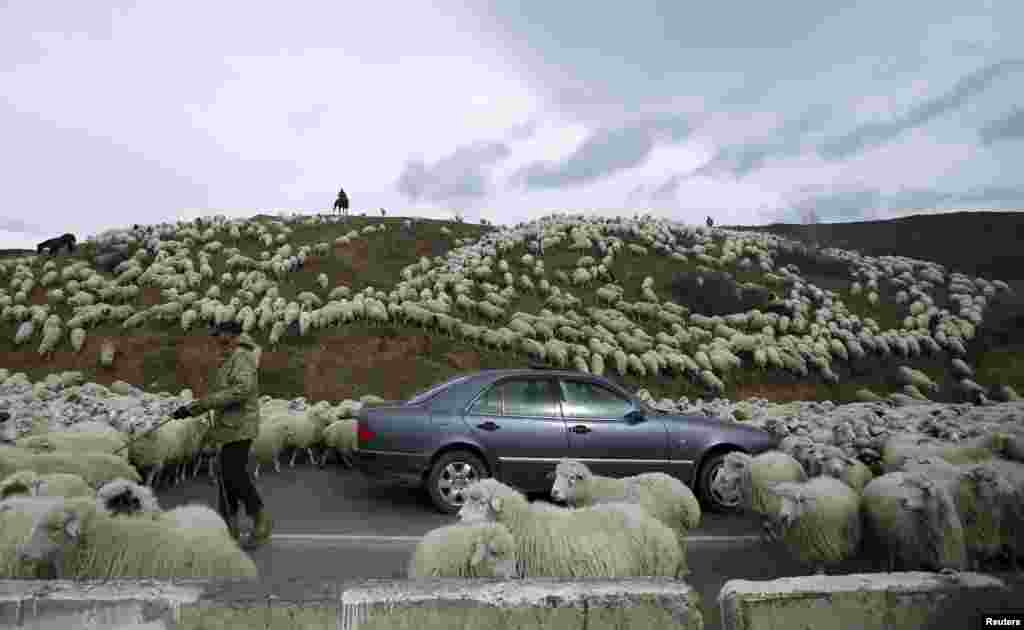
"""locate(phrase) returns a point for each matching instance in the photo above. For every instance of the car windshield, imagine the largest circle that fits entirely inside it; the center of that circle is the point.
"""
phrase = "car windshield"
(426, 395)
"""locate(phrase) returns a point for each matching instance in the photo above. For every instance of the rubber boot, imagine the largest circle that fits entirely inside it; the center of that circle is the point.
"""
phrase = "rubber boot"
(233, 527)
(261, 528)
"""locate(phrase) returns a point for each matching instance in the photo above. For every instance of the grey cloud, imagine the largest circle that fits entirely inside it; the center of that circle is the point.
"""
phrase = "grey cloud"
(873, 134)
(1010, 127)
(459, 176)
(606, 152)
(866, 204)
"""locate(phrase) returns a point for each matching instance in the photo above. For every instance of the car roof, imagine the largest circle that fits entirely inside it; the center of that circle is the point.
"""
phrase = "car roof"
(460, 394)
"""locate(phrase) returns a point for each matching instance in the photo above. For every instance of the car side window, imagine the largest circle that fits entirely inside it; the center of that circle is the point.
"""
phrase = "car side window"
(588, 400)
(489, 404)
(529, 397)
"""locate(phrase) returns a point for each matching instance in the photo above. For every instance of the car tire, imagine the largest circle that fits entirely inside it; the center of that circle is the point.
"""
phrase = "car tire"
(450, 475)
(711, 502)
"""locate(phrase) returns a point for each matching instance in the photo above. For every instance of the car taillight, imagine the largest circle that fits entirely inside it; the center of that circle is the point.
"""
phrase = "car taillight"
(363, 433)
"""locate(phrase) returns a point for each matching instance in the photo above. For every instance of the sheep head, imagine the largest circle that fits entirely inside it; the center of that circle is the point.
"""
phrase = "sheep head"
(58, 528)
(498, 554)
(485, 501)
(567, 474)
(793, 502)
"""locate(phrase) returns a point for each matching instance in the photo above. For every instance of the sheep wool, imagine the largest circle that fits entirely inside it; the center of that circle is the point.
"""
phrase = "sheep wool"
(819, 520)
(746, 478)
(914, 519)
(900, 446)
(465, 550)
(83, 542)
(341, 436)
(78, 442)
(608, 540)
(95, 468)
(662, 496)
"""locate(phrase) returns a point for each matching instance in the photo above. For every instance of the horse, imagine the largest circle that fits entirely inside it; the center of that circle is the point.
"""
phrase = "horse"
(53, 245)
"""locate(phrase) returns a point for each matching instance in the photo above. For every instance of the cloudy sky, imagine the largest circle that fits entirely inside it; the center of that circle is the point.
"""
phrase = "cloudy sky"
(753, 112)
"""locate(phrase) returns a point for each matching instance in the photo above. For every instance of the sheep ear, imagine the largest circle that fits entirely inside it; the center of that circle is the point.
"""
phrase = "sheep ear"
(496, 504)
(73, 526)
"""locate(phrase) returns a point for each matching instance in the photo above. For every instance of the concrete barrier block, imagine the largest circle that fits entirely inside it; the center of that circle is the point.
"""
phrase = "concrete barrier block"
(868, 601)
(45, 605)
(452, 604)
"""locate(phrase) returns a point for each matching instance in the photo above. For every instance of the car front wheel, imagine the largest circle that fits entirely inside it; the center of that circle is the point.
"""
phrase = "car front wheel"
(449, 477)
(712, 500)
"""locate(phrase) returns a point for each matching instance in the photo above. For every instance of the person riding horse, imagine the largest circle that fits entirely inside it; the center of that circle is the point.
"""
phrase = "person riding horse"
(341, 203)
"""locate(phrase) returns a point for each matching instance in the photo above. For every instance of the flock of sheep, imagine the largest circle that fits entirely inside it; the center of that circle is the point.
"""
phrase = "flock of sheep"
(823, 505)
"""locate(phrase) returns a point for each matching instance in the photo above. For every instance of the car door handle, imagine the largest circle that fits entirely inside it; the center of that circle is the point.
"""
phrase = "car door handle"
(488, 426)
(580, 428)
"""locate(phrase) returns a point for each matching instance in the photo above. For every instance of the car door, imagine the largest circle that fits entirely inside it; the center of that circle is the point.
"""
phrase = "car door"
(519, 420)
(603, 438)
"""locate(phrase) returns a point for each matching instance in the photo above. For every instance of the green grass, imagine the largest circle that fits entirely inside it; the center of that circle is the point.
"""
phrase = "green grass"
(397, 361)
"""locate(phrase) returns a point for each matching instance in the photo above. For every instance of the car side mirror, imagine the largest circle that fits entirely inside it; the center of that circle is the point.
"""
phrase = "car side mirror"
(635, 416)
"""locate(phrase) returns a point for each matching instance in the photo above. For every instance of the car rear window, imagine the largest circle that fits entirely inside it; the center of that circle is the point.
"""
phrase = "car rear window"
(424, 396)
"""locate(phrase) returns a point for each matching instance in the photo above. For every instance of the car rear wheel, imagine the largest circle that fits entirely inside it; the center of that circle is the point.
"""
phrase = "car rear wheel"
(713, 501)
(450, 476)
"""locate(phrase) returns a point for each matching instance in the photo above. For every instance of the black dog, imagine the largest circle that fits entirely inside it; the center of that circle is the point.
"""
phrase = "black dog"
(54, 245)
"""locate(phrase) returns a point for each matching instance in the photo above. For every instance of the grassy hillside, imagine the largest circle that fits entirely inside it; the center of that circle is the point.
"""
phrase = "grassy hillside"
(395, 361)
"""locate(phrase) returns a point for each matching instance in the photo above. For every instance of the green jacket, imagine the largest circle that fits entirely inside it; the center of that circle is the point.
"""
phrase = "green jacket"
(235, 396)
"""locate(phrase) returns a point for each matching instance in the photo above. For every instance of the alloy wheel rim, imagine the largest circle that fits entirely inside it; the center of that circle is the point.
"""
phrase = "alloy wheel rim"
(717, 496)
(454, 479)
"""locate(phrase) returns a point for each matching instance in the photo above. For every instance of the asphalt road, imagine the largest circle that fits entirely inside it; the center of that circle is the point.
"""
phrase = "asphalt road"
(334, 525)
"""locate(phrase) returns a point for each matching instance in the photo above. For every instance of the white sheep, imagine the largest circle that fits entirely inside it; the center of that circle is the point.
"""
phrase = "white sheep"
(340, 436)
(195, 519)
(818, 521)
(608, 540)
(176, 442)
(984, 497)
(465, 550)
(78, 441)
(107, 352)
(29, 483)
(901, 446)
(744, 480)
(664, 497)
(269, 443)
(920, 380)
(95, 468)
(83, 542)
(914, 520)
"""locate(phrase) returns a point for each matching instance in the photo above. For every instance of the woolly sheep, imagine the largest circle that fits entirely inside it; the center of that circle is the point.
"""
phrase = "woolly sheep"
(107, 352)
(914, 520)
(269, 443)
(77, 442)
(95, 468)
(122, 497)
(983, 498)
(465, 550)
(901, 446)
(82, 542)
(920, 380)
(18, 515)
(849, 470)
(744, 479)
(173, 443)
(28, 482)
(608, 540)
(195, 519)
(662, 496)
(341, 436)
(818, 521)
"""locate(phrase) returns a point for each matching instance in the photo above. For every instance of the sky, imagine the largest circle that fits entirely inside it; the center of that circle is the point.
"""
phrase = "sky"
(117, 113)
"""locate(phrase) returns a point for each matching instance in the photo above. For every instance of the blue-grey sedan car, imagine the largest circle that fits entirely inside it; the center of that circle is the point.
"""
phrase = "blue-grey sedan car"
(515, 425)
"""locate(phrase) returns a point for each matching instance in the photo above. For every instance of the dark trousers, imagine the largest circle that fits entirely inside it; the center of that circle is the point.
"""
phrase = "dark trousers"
(236, 484)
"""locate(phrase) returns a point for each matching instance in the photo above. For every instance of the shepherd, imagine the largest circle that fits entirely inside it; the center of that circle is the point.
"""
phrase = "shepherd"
(710, 222)
(341, 203)
(236, 402)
